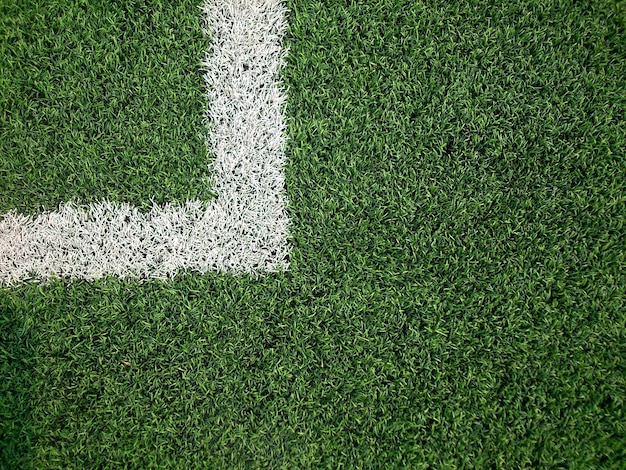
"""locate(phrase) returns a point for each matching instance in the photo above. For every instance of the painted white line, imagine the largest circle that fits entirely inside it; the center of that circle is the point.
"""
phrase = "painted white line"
(243, 230)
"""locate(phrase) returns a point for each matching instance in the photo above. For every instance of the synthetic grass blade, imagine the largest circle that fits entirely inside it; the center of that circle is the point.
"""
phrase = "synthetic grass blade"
(244, 230)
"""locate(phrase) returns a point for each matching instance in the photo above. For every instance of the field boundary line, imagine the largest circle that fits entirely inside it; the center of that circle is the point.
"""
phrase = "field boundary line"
(243, 230)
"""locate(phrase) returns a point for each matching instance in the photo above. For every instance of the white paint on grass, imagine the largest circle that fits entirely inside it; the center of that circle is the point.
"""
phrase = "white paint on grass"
(243, 230)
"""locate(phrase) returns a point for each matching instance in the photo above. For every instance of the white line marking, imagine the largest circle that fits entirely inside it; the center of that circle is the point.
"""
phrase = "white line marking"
(244, 230)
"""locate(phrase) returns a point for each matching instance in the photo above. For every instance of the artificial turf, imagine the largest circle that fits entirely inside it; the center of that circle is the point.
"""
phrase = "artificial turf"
(101, 100)
(456, 294)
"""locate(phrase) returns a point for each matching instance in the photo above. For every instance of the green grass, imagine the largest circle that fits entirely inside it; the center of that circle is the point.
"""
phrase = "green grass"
(101, 100)
(456, 297)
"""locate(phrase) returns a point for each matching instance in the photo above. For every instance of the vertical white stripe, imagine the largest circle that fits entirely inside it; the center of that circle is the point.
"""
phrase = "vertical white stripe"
(244, 230)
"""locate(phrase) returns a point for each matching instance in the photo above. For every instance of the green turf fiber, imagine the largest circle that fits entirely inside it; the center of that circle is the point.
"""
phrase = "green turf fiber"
(101, 100)
(456, 295)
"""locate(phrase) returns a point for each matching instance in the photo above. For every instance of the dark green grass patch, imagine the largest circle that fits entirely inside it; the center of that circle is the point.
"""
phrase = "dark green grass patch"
(456, 298)
(101, 100)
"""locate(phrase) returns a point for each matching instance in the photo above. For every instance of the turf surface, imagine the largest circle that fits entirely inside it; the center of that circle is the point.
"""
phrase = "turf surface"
(456, 295)
(101, 100)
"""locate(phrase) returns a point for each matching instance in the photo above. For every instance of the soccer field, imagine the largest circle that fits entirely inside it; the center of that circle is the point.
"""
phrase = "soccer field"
(454, 180)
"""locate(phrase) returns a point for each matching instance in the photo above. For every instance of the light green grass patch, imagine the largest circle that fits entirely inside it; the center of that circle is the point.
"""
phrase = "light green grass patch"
(101, 100)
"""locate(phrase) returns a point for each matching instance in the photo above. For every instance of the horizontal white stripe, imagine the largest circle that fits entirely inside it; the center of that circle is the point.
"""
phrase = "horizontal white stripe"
(244, 230)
